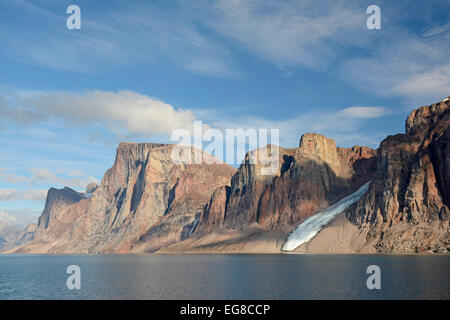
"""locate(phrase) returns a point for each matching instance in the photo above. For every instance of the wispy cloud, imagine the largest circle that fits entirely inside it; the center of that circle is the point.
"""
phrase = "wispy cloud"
(5, 217)
(438, 30)
(394, 61)
(344, 126)
(42, 176)
(19, 217)
(131, 34)
(289, 34)
(10, 194)
(207, 39)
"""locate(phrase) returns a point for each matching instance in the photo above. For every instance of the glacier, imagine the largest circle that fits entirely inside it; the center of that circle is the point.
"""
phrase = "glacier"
(309, 228)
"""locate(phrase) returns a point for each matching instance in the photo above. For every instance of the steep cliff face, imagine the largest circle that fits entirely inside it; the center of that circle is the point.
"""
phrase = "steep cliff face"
(407, 206)
(57, 201)
(147, 202)
(144, 202)
(309, 178)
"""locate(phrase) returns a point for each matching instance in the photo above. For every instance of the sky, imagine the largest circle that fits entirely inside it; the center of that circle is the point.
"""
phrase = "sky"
(138, 70)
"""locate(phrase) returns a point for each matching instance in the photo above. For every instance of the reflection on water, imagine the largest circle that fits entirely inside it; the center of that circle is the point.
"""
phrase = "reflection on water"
(224, 277)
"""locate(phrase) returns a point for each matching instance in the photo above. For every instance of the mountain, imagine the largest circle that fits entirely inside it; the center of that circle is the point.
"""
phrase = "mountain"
(264, 209)
(7, 234)
(406, 208)
(309, 178)
(144, 202)
(322, 199)
(57, 201)
(20, 238)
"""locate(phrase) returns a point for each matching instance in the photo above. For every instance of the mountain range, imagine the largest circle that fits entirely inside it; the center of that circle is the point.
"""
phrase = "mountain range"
(400, 200)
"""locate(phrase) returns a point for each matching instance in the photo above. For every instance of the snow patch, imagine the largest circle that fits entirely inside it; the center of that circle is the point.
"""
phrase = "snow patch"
(194, 226)
(309, 228)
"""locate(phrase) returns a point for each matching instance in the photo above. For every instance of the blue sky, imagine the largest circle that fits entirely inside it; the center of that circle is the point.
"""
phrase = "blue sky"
(137, 70)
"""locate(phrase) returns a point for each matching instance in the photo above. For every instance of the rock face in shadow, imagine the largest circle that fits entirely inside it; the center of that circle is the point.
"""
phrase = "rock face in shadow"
(309, 178)
(407, 206)
(57, 201)
(144, 202)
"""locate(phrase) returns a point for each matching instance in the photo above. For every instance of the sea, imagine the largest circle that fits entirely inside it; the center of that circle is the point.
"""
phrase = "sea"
(224, 276)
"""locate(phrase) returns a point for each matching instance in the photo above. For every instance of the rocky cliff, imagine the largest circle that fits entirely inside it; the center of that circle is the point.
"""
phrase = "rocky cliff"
(144, 202)
(57, 201)
(405, 210)
(309, 178)
(407, 206)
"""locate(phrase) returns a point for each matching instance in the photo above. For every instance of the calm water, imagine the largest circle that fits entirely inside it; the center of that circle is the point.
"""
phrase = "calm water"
(224, 277)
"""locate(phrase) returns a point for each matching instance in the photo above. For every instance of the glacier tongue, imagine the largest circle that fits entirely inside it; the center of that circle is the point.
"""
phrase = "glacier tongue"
(311, 226)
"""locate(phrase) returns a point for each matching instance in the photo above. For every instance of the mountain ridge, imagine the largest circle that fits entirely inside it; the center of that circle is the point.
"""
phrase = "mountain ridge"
(147, 203)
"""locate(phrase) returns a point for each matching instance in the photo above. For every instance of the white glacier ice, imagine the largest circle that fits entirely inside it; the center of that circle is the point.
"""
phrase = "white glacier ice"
(311, 226)
(194, 226)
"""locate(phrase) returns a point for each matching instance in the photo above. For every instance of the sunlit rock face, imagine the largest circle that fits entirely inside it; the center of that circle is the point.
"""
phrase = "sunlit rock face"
(144, 202)
(309, 178)
(147, 202)
(407, 206)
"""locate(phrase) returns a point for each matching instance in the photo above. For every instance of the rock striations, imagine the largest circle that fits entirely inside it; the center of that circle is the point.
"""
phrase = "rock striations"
(310, 178)
(407, 206)
(146, 202)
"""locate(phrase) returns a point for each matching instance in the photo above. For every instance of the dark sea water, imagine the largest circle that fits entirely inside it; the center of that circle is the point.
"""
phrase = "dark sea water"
(224, 277)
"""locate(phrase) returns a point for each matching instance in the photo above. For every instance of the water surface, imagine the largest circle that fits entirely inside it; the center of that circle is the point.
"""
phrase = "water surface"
(284, 276)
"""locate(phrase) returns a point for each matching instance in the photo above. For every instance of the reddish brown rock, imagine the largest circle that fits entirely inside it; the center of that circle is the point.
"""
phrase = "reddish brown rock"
(57, 201)
(406, 208)
(309, 179)
(214, 212)
(144, 202)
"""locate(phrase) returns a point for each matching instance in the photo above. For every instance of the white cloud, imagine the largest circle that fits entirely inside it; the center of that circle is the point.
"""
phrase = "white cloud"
(10, 194)
(42, 176)
(430, 83)
(19, 217)
(405, 65)
(344, 126)
(46, 176)
(8, 218)
(125, 112)
(363, 112)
